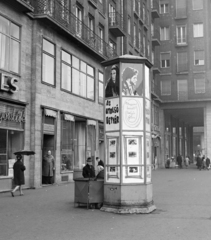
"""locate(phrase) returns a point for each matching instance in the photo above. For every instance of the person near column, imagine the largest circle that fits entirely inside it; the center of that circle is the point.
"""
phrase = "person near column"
(208, 163)
(19, 180)
(88, 169)
(48, 168)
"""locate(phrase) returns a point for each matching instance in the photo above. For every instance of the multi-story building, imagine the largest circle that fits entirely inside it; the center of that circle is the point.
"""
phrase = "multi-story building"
(52, 85)
(184, 77)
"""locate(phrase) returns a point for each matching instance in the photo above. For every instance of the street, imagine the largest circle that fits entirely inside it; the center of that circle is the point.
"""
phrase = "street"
(182, 198)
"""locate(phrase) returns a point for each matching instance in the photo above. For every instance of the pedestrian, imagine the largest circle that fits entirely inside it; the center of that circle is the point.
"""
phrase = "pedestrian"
(203, 162)
(208, 163)
(18, 170)
(100, 174)
(48, 168)
(167, 165)
(187, 161)
(179, 161)
(199, 162)
(88, 170)
(99, 162)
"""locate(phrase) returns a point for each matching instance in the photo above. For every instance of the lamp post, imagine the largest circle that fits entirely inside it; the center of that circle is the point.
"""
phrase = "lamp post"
(127, 126)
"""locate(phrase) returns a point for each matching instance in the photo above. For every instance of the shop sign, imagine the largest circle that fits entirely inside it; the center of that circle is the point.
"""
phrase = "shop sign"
(7, 83)
(15, 116)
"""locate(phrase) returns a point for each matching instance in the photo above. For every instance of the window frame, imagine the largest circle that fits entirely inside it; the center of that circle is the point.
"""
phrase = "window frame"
(166, 65)
(99, 81)
(54, 57)
(164, 7)
(199, 59)
(161, 87)
(180, 27)
(12, 38)
(178, 60)
(204, 89)
(69, 65)
(194, 34)
(166, 37)
(201, 5)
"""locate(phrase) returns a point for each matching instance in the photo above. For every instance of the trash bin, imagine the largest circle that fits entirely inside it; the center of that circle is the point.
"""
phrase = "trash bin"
(89, 192)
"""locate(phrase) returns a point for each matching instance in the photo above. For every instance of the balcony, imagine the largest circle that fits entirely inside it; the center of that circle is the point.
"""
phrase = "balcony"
(156, 38)
(116, 24)
(93, 3)
(156, 66)
(53, 12)
(22, 5)
(155, 91)
(155, 9)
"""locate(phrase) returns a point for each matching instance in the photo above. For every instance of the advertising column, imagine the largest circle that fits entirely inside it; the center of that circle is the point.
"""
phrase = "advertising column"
(127, 187)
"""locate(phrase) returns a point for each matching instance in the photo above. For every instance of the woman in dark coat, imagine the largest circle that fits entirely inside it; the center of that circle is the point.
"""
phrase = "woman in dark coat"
(19, 180)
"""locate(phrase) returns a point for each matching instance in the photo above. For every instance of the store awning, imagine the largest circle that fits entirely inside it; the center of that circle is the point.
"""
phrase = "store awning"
(91, 122)
(69, 117)
(50, 113)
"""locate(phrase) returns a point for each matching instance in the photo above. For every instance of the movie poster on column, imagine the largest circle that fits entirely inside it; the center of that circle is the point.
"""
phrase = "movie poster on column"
(112, 114)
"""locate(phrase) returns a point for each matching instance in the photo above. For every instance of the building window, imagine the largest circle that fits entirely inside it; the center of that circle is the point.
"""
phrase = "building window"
(197, 4)
(164, 33)
(91, 26)
(101, 35)
(66, 82)
(182, 89)
(9, 45)
(198, 30)
(198, 57)
(48, 62)
(165, 60)
(165, 87)
(78, 14)
(134, 35)
(181, 8)
(112, 14)
(182, 62)
(67, 143)
(82, 79)
(129, 25)
(199, 85)
(101, 88)
(140, 40)
(164, 8)
(181, 35)
(112, 47)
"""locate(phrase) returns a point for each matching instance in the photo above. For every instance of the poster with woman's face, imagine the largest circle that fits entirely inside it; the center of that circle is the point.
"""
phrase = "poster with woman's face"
(112, 81)
(132, 79)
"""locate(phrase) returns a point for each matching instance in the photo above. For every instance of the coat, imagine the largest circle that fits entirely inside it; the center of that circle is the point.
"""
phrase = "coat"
(88, 171)
(48, 166)
(100, 163)
(18, 169)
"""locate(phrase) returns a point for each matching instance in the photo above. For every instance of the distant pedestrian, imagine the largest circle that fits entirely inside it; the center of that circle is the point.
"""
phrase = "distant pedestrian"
(187, 161)
(19, 180)
(179, 161)
(208, 163)
(199, 162)
(167, 165)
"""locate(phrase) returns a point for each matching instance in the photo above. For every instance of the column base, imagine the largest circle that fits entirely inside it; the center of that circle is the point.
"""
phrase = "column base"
(129, 209)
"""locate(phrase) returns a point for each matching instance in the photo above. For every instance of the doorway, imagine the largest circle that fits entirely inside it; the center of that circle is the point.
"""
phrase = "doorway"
(48, 144)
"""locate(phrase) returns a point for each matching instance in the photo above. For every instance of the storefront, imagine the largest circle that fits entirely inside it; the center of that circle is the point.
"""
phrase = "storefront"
(12, 121)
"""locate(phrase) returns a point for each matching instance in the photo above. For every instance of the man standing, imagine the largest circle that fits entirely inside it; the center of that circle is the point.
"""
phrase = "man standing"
(88, 170)
(48, 168)
(179, 161)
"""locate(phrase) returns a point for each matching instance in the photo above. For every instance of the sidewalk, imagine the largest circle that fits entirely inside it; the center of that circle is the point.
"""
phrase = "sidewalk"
(182, 198)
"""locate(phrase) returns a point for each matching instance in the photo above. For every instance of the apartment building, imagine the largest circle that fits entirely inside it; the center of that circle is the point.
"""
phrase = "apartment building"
(184, 77)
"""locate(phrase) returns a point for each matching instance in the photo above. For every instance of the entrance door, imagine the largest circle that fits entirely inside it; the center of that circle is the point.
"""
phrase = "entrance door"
(48, 144)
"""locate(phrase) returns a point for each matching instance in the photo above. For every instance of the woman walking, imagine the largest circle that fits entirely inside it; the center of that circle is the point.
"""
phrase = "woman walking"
(19, 179)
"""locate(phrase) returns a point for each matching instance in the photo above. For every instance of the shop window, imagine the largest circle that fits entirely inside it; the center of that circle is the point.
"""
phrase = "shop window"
(67, 143)
(9, 45)
(10, 141)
